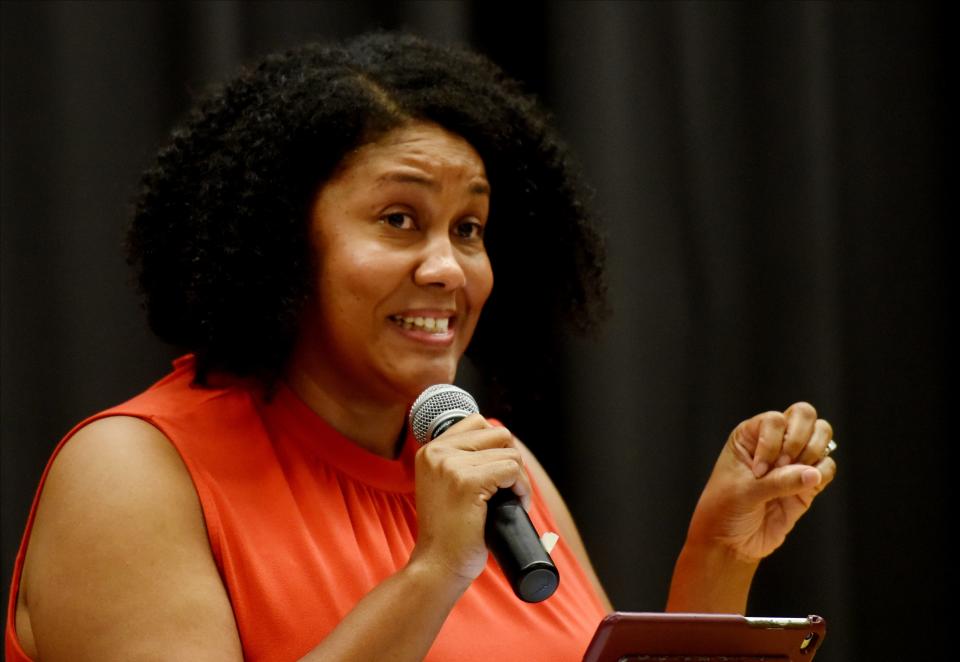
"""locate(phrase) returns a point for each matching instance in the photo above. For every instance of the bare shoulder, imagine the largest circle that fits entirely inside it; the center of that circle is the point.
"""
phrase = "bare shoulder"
(118, 564)
(122, 449)
(561, 514)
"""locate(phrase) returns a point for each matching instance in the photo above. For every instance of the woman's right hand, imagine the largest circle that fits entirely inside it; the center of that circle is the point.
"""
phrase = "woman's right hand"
(456, 474)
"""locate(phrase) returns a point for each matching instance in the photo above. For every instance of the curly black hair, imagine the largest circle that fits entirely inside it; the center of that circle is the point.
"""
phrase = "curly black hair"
(220, 229)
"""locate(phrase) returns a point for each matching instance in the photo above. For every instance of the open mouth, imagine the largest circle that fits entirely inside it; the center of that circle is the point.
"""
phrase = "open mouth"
(437, 325)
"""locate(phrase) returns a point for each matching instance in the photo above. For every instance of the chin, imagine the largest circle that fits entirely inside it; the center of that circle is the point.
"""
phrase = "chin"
(415, 385)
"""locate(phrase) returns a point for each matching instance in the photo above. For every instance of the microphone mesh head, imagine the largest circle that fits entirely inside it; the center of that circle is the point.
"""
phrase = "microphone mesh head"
(437, 403)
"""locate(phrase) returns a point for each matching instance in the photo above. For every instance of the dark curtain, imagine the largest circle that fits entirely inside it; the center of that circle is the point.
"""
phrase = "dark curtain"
(771, 181)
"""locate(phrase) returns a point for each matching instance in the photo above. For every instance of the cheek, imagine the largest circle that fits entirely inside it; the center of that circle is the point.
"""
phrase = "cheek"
(356, 275)
(482, 282)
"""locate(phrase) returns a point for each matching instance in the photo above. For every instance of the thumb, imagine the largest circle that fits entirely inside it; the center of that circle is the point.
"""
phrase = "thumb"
(786, 481)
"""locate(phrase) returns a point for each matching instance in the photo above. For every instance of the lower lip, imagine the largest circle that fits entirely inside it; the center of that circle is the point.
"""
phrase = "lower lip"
(426, 337)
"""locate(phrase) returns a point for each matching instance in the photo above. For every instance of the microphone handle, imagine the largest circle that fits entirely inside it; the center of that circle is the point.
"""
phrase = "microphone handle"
(514, 543)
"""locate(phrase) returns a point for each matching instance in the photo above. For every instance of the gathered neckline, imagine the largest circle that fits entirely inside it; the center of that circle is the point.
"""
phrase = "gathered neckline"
(287, 413)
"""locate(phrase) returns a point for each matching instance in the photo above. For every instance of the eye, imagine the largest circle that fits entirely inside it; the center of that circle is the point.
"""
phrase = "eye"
(398, 219)
(469, 228)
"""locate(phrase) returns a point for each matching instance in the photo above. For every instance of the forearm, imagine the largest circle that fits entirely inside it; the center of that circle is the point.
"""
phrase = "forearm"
(710, 579)
(398, 620)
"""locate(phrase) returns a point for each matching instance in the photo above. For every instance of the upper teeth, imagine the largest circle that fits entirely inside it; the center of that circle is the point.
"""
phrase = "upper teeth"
(434, 324)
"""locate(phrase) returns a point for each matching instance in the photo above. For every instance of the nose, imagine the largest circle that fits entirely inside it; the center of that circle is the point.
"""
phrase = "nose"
(439, 266)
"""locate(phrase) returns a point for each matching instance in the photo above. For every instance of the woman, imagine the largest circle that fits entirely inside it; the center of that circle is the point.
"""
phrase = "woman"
(322, 236)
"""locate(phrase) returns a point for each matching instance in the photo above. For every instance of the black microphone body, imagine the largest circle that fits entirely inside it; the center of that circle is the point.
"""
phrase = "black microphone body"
(514, 543)
(509, 534)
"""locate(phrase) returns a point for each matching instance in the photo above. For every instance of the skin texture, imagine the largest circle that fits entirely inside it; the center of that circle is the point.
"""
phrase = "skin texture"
(118, 566)
(767, 476)
(218, 238)
(398, 231)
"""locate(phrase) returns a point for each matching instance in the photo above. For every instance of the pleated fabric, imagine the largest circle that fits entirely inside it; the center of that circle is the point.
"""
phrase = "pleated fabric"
(303, 523)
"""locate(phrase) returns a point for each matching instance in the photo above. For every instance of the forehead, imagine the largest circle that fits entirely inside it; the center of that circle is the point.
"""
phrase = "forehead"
(417, 147)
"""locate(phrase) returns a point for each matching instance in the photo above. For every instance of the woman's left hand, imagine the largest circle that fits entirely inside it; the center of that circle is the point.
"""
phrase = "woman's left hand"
(767, 476)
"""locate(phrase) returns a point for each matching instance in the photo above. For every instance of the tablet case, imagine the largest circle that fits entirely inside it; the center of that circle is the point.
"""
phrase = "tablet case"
(670, 637)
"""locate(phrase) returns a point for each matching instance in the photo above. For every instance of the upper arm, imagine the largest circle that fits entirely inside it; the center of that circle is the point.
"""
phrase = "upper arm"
(561, 514)
(118, 564)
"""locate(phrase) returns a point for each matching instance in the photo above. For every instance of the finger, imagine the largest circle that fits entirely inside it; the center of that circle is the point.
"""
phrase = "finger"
(471, 422)
(475, 438)
(464, 464)
(504, 465)
(466, 449)
(828, 470)
(801, 419)
(786, 481)
(520, 484)
(489, 456)
(817, 446)
(486, 479)
(770, 427)
(796, 479)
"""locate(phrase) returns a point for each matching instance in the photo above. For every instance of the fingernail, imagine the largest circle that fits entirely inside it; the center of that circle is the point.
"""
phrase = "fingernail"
(783, 460)
(760, 468)
(811, 478)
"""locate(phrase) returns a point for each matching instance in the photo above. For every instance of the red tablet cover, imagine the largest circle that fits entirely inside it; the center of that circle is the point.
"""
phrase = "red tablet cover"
(643, 636)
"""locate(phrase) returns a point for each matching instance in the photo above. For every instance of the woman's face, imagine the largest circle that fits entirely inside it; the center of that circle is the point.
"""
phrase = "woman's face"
(403, 273)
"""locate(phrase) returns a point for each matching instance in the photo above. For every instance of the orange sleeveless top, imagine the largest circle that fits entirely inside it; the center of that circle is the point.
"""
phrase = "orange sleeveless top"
(303, 523)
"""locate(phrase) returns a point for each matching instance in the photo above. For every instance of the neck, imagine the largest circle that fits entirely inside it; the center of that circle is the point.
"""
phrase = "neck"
(371, 424)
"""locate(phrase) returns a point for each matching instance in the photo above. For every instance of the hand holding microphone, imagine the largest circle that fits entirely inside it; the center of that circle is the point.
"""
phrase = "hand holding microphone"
(485, 463)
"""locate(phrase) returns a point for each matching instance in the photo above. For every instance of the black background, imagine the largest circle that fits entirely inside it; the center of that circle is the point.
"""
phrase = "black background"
(771, 178)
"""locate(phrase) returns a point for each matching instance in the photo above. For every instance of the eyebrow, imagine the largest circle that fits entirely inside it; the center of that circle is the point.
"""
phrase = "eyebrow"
(476, 188)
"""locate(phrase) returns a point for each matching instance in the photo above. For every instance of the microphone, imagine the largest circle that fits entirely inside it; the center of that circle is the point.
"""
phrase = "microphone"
(508, 531)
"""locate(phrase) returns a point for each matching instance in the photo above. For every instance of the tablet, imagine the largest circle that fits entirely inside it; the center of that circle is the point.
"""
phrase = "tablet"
(660, 637)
